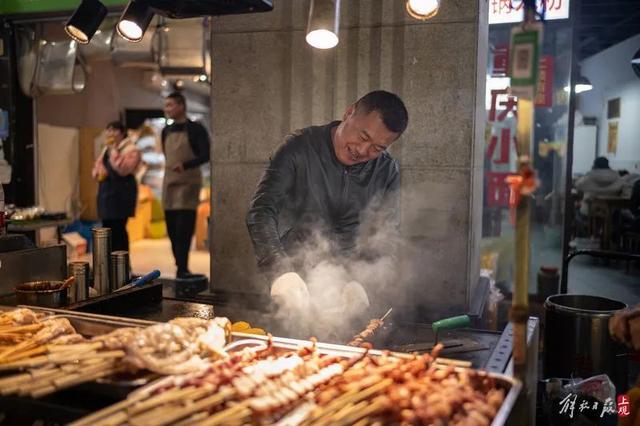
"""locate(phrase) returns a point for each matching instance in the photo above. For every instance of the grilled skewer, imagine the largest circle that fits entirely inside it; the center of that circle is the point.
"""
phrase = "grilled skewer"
(359, 339)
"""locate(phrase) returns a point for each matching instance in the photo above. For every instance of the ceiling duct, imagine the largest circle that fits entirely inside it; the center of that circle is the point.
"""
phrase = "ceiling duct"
(138, 55)
(195, 8)
(183, 48)
(100, 46)
(58, 70)
(27, 53)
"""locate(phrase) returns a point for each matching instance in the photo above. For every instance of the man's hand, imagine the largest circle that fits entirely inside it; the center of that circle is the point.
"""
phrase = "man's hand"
(355, 299)
(179, 168)
(291, 292)
(624, 327)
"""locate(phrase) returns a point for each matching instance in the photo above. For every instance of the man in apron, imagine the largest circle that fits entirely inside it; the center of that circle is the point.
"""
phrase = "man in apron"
(185, 144)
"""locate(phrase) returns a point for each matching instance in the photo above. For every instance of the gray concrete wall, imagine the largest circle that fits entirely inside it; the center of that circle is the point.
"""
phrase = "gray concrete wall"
(267, 82)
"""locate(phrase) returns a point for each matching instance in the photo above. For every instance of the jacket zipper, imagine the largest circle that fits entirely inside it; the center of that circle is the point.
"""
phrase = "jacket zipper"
(345, 187)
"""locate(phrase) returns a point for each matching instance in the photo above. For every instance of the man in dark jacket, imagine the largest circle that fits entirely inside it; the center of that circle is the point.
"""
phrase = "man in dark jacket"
(322, 179)
(185, 144)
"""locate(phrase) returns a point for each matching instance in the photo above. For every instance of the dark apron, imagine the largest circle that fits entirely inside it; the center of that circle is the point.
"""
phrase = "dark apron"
(180, 191)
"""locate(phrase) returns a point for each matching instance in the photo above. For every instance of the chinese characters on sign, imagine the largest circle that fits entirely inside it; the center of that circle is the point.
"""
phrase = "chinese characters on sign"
(500, 60)
(544, 88)
(568, 406)
(612, 137)
(497, 188)
(623, 406)
(508, 11)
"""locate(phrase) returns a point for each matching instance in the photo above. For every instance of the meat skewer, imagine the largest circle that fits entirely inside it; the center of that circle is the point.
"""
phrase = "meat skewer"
(260, 385)
(305, 387)
(359, 339)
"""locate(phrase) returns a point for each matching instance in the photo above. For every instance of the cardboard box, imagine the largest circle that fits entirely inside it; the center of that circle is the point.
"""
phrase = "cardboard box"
(202, 226)
(76, 245)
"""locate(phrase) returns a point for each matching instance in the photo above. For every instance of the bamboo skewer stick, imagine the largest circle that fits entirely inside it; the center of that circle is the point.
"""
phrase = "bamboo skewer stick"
(114, 420)
(164, 398)
(239, 410)
(194, 419)
(363, 422)
(97, 416)
(26, 354)
(205, 403)
(324, 413)
(386, 315)
(379, 404)
(452, 362)
(21, 328)
(22, 346)
(78, 347)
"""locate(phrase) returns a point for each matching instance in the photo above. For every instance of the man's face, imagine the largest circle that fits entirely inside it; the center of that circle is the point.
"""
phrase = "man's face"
(173, 109)
(361, 137)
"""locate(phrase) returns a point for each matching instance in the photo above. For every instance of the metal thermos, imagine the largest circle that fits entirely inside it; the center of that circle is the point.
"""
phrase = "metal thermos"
(79, 291)
(548, 282)
(119, 269)
(577, 341)
(101, 260)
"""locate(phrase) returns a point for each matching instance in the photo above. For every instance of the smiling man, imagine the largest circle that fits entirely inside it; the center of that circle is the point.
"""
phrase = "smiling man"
(323, 178)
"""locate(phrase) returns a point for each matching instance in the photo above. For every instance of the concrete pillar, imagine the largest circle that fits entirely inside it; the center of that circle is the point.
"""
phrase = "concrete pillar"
(268, 82)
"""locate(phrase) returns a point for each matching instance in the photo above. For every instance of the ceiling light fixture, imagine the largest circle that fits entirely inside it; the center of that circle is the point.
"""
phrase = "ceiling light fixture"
(86, 19)
(134, 20)
(423, 9)
(323, 25)
(635, 63)
(583, 85)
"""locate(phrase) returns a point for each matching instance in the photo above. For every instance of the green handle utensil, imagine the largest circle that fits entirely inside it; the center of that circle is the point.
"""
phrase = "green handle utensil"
(459, 321)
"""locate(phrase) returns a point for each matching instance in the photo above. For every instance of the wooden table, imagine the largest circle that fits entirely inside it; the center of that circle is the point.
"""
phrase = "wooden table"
(604, 207)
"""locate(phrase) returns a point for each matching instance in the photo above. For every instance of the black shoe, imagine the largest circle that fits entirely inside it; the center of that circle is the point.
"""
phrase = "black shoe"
(184, 274)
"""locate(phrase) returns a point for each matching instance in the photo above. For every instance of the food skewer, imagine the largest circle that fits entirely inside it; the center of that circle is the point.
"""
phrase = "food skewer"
(309, 388)
(359, 339)
(285, 386)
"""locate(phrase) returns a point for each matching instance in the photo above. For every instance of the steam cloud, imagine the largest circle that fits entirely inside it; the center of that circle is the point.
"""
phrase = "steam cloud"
(336, 313)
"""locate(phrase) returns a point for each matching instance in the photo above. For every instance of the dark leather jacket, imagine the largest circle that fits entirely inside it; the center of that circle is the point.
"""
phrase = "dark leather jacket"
(306, 189)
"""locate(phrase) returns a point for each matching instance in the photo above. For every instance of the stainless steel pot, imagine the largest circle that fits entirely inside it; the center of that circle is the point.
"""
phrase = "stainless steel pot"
(51, 294)
(577, 341)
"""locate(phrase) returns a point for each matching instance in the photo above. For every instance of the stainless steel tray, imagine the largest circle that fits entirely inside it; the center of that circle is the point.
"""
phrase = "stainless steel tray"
(106, 320)
(511, 384)
(91, 325)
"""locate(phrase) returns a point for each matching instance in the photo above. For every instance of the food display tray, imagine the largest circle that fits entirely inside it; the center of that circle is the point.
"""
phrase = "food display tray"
(510, 384)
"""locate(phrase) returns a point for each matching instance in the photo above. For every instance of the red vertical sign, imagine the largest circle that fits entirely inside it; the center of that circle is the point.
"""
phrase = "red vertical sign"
(544, 88)
(500, 60)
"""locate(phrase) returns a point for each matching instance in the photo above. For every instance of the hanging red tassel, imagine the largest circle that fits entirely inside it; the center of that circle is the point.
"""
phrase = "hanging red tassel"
(522, 184)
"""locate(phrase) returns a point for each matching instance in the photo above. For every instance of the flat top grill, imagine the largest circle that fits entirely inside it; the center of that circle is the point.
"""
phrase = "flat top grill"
(471, 345)
(164, 302)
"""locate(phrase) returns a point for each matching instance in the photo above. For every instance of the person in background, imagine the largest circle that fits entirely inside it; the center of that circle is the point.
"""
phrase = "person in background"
(117, 189)
(185, 144)
(600, 181)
